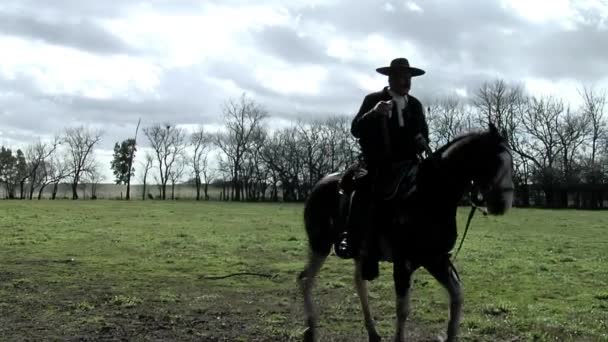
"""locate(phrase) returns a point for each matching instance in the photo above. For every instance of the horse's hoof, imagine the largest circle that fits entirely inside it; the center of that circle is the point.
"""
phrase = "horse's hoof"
(374, 337)
(309, 335)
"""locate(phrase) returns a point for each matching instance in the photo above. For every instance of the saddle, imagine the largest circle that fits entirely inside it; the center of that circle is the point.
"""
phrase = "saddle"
(396, 181)
(352, 179)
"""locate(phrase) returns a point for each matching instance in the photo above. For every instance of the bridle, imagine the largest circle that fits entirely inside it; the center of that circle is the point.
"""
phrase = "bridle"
(477, 201)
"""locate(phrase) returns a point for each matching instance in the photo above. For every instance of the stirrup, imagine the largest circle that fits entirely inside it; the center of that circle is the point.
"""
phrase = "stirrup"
(345, 248)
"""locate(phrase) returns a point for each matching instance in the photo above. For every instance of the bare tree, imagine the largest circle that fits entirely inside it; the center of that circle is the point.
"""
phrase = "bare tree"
(201, 143)
(349, 146)
(80, 142)
(571, 133)
(37, 156)
(148, 164)
(594, 103)
(448, 119)
(208, 175)
(541, 124)
(336, 144)
(224, 174)
(177, 172)
(52, 171)
(93, 176)
(242, 117)
(282, 155)
(57, 170)
(498, 103)
(539, 142)
(256, 173)
(311, 149)
(168, 143)
(40, 177)
(159, 185)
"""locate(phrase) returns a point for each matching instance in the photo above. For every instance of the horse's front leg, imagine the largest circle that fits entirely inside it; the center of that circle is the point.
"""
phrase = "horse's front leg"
(361, 286)
(306, 280)
(443, 270)
(402, 274)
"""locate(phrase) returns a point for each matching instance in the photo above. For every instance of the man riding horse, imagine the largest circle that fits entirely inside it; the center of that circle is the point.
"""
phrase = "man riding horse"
(391, 128)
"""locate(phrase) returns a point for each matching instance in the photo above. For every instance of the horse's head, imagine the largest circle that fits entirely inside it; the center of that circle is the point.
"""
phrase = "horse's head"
(493, 175)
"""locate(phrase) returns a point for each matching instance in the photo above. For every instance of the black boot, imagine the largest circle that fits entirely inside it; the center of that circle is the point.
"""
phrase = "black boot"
(347, 245)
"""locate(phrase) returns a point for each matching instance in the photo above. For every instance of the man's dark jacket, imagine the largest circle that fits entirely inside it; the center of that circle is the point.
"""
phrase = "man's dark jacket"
(399, 144)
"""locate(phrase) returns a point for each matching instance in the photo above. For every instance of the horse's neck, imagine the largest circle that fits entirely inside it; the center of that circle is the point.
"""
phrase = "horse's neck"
(457, 164)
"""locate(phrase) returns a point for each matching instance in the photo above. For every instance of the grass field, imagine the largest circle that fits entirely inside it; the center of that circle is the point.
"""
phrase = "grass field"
(111, 270)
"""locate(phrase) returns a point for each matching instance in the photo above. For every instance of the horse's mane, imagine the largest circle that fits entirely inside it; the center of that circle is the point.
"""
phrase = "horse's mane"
(456, 140)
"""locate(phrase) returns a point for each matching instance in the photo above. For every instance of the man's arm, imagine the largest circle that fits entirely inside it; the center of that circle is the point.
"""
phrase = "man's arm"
(366, 107)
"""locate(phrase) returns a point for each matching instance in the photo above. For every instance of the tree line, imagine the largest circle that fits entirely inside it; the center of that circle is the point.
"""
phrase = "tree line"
(252, 161)
(557, 148)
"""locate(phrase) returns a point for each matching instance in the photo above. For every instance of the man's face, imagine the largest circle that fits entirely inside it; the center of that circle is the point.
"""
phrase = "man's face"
(400, 83)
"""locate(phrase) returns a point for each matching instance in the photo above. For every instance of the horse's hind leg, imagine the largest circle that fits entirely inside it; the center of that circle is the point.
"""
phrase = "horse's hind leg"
(402, 274)
(361, 286)
(443, 270)
(306, 280)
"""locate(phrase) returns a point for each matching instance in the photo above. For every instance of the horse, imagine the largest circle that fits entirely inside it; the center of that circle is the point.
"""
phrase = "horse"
(422, 229)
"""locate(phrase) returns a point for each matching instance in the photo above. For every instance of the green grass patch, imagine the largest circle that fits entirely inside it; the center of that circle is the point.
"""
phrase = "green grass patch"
(111, 270)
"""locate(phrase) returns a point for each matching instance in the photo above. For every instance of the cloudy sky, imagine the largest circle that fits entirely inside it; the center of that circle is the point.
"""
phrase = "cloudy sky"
(104, 64)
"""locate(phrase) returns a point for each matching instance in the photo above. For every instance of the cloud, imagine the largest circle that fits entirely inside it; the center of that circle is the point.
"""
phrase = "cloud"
(578, 54)
(81, 34)
(287, 44)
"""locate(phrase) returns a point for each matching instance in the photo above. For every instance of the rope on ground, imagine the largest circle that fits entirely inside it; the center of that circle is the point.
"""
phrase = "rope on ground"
(263, 275)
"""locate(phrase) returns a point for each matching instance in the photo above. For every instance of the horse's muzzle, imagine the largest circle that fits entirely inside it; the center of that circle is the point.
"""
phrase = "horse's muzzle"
(499, 202)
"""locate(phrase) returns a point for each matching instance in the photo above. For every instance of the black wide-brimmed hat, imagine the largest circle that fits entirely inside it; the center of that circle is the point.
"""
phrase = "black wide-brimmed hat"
(399, 66)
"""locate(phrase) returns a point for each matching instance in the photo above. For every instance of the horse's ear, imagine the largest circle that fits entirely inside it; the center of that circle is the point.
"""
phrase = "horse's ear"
(504, 135)
(501, 135)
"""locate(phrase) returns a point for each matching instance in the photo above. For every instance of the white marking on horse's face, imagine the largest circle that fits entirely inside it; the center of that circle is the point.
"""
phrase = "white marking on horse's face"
(504, 178)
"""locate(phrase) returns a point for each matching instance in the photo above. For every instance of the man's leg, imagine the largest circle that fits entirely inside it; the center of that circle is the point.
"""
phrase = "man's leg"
(349, 242)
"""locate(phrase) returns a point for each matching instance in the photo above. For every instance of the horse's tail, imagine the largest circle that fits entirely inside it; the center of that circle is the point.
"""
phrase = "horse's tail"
(321, 214)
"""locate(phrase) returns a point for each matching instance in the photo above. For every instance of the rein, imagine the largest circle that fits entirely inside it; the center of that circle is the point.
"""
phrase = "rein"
(475, 204)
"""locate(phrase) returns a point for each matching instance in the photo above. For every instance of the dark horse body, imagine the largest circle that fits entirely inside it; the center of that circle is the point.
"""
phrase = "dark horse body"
(420, 230)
